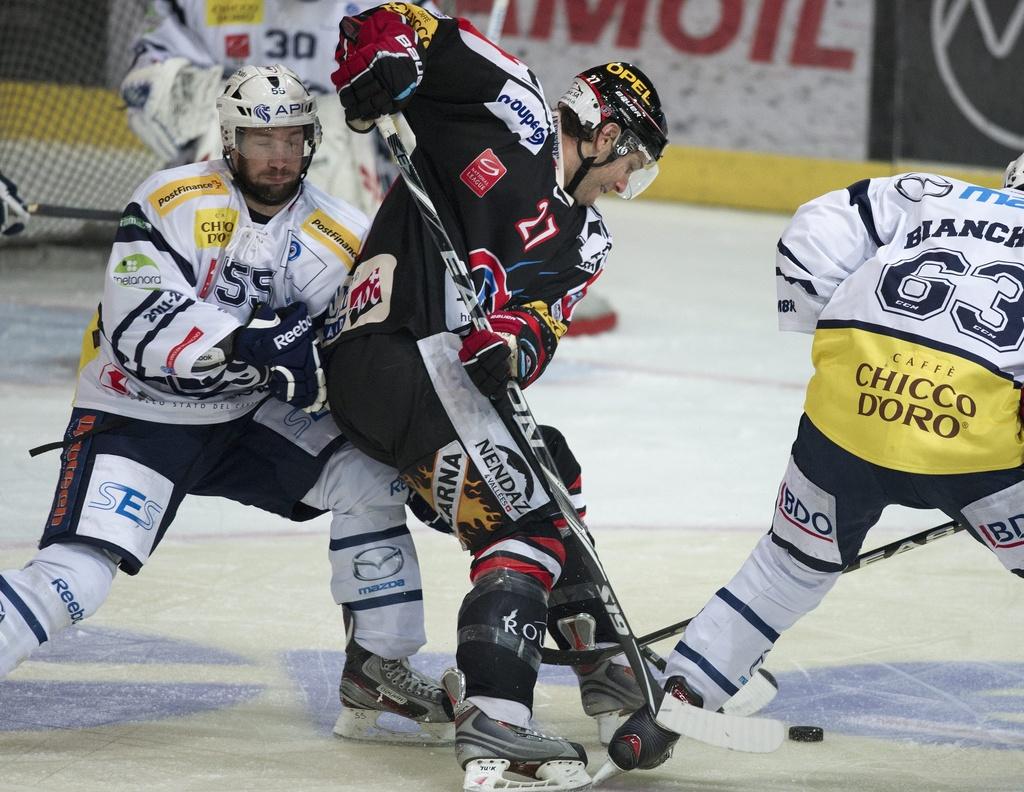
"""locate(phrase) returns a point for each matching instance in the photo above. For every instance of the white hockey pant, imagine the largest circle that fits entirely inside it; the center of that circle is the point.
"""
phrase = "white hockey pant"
(375, 573)
(62, 585)
(728, 640)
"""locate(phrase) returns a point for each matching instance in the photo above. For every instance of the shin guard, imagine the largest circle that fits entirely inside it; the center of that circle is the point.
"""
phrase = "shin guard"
(501, 631)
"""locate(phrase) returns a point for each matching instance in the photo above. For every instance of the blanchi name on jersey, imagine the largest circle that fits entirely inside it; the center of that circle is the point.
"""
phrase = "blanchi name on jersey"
(187, 269)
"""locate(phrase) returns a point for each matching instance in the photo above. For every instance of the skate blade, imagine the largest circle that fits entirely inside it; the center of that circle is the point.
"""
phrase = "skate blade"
(558, 775)
(387, 727)
(608, 770)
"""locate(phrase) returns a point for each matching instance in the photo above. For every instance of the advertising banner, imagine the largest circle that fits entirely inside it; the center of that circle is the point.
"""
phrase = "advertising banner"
(781, 76)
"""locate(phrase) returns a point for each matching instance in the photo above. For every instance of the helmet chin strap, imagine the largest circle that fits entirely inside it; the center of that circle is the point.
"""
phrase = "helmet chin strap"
(586, 163)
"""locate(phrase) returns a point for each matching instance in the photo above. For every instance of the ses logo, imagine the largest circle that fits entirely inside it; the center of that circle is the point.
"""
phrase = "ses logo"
(122, 499)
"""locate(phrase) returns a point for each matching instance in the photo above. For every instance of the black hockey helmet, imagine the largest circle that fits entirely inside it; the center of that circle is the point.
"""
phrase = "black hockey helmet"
(619, 92)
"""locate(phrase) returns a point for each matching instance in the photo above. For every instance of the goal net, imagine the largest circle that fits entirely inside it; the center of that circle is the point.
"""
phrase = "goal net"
(64, 138)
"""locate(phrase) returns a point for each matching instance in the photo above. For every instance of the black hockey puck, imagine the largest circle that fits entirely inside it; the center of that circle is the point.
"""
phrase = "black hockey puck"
(806, 733)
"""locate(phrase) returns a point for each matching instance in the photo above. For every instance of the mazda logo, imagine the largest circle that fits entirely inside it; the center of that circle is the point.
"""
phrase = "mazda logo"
(378, 563)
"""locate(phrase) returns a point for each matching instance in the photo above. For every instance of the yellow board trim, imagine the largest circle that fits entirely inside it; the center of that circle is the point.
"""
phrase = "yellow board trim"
(65, 114)
(777, 182)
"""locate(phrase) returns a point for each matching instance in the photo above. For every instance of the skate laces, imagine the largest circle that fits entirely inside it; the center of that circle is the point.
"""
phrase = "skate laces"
(404, 676)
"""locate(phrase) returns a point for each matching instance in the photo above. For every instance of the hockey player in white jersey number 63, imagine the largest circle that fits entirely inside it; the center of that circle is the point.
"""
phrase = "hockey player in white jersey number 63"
(914, 289)
(200, 375)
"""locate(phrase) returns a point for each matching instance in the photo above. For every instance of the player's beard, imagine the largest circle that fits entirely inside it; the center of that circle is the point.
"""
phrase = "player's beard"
(271, 187)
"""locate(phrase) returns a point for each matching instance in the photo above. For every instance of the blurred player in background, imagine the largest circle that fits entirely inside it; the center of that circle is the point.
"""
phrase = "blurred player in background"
(191, 46)
(913, 286)
(200, 375)
(415, 386)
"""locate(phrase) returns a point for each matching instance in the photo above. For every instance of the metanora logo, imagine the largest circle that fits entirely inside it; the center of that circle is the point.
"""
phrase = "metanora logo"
(137, 272)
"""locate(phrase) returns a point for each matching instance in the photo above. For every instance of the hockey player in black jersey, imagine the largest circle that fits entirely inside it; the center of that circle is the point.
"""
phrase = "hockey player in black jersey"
(413, 385)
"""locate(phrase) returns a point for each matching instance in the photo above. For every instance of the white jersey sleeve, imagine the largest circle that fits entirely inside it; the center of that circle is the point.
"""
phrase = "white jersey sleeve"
(825, 242)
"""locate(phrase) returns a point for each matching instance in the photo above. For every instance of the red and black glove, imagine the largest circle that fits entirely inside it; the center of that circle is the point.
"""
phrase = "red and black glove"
(379, 67)
(519, 344)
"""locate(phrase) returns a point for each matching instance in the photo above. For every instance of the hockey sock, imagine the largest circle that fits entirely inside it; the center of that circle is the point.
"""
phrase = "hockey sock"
(62, 585)
(728, 640)
(501, 630)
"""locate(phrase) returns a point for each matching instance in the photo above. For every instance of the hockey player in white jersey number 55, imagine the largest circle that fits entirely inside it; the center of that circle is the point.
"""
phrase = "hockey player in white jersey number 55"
(913, 287)
(200, 375)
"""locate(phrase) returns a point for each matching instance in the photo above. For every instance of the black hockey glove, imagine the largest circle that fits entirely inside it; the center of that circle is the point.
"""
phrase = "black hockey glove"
(488, 359)
(379, 67)
(284, 343)
(13, 214)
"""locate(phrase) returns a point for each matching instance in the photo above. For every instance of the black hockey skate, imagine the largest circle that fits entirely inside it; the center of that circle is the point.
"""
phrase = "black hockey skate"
(374, 690)
(486, 748)
(609, 691)
(640, 743)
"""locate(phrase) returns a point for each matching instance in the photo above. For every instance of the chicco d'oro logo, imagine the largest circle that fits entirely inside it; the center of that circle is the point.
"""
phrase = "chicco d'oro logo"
(262, 112)
(949, 19)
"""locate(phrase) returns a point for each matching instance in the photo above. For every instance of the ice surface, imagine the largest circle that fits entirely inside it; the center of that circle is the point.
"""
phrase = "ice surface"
(216, 667)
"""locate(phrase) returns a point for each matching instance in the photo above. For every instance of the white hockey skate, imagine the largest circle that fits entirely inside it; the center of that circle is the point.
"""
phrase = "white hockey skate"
(487, 749)
(388, 701)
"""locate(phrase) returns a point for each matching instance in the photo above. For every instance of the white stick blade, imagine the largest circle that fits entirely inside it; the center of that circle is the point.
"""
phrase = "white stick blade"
(750, 735)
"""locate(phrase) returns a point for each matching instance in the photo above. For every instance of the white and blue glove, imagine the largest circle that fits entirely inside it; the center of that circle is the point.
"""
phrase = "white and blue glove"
(284, 343)
(13, 213)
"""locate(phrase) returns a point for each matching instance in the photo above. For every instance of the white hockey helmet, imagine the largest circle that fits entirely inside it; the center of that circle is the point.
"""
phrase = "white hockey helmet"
(258, 97)
(1014, 176)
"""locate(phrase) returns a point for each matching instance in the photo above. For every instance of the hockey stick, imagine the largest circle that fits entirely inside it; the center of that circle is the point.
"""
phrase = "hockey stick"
(496, 21)
(591, 656)
(73, 212)
(524, 419)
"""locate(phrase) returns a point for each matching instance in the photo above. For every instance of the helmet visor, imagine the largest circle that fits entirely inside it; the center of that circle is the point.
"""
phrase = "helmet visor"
(641, 178)
(270, 143)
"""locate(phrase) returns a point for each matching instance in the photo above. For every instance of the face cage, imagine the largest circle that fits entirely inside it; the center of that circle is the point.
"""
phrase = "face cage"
(640, 179)
(265, 148)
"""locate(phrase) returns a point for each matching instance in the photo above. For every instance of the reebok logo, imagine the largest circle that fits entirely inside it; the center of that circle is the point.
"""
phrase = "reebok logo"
(293, 335)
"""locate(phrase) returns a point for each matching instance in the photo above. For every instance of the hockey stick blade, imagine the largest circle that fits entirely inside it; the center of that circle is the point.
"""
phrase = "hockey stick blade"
(735, 732)
(723, 730)
(754, 696)
(73, 213)
(592, 656)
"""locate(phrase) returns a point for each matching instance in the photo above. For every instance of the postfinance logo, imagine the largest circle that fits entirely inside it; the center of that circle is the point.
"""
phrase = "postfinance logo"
(177, 192)
(213, 227)
(137, 272)
(334, 235)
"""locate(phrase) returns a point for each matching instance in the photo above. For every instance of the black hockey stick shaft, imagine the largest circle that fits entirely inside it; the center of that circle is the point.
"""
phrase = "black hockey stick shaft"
(523, 417)
(591, 656)
(73, 212)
